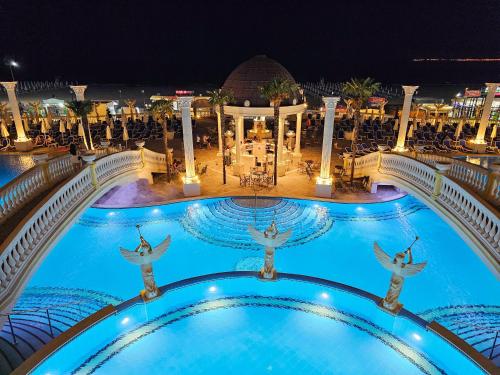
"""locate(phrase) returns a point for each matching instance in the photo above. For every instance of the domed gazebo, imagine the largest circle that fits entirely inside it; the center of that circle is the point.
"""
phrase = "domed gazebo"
(245, 82)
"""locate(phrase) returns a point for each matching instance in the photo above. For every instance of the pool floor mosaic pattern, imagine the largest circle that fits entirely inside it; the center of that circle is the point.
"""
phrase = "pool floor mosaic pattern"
(260, 305)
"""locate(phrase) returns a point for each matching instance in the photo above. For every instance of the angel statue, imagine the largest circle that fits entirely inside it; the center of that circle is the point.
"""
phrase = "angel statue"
(144, 255)
(399, 270)
(271, 239)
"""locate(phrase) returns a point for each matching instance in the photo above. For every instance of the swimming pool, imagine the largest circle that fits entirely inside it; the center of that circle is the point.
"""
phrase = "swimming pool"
(12, 166)
(330, 240)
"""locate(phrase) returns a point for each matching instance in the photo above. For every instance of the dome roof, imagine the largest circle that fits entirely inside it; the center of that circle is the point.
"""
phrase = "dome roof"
(245, 81)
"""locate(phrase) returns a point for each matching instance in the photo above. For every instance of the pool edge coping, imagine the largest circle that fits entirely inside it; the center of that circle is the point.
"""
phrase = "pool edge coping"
(73, 332)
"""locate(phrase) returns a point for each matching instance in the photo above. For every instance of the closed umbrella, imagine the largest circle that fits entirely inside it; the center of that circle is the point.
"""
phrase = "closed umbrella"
(494, 132)
(410, 131)
(69, 125)
(44, 129)
(3, 130)
(108, 133)
(458, 130)
(396, 124)
(125, 135)
(440, 127)
(62, 128)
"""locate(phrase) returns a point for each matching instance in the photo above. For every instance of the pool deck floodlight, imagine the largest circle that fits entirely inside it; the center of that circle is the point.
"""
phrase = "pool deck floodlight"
(399, 270)
(270, 239)
(144, 255)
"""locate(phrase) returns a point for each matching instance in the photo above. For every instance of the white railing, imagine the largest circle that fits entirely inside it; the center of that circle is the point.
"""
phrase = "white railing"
(22, 189)
(475, 176)
(15, 194)
(461, 191)
(22, 246)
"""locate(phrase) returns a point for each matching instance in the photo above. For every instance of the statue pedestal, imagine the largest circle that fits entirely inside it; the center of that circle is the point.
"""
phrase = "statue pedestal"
(392, 312)
(191, 188)
(324, 187)
(477, 147)
(26, 145)
(145, 297)
(272, 277)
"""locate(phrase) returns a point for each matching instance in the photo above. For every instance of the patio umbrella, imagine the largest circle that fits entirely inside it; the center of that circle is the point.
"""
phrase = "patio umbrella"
(410, 131)
(69, 125)
(396, 124)
(62, 128)
(458, 130)
(125, 135)
(3, 130)
(108, 133)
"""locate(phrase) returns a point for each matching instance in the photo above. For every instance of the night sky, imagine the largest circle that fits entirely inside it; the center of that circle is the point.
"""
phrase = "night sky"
(175, 42)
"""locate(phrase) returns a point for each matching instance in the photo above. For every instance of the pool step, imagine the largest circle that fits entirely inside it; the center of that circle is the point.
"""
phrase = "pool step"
(207, 222)
(30, 323)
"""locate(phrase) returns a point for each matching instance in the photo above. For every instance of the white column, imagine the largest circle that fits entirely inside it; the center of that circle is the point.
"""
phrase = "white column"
(191, 182)
(219, 130)
(324, 181)
(298, 131)
(279, 148)
(485, 117)
(238, 140)
(22, 142)
(403, 125)
(79, 92)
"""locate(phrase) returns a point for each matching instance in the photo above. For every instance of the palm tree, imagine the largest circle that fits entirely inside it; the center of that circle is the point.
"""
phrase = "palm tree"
(81, 108)
(359, 90)
(163, 109)
(277, 90)
(218, 99)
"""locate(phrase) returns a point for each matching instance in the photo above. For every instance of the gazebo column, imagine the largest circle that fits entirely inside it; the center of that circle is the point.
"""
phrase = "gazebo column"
(238, 127)
(409, 91)
(281, 135)
(485, 117)
(22, 143)
(296, 152)
(324, 181)
(191, 181)
(79, 92)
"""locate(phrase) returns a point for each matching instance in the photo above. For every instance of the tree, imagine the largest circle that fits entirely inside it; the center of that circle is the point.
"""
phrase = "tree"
(81, 108)
(277, 90)
(358, 90)
(164, 109)
(218, 99)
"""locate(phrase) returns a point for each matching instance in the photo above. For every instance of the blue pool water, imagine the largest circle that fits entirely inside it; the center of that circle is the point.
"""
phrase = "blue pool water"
(330, 240)
(12, 166)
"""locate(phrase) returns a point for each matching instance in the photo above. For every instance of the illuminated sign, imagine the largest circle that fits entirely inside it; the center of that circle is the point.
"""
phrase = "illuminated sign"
(472, 93)
(184, 92)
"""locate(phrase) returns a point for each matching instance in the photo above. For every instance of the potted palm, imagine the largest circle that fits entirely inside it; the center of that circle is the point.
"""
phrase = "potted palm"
(358, 91)
(81, 109)
(276, 91)
(218, 99)
(163, 109)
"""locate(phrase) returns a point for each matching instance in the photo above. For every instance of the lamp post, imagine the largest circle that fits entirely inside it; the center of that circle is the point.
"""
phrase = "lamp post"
(11, 64)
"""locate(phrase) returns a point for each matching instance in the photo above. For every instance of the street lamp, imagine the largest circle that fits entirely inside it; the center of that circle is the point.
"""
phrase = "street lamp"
(11, 64)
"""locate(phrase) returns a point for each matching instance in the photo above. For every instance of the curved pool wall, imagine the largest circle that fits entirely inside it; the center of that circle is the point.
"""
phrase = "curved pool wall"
(12, 166)
(246, 325)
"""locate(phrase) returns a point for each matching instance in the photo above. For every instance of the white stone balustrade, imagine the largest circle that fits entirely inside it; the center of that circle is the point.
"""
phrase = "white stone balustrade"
(24, 246)
(460, 192)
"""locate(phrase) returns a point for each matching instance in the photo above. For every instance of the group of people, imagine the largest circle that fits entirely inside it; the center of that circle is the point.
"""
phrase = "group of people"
(204, 141)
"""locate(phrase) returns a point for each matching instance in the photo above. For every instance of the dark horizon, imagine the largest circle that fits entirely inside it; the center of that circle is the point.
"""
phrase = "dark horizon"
(184, 43)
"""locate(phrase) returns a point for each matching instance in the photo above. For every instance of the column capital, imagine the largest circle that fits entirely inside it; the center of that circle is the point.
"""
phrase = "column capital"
(410, 90)
(331, 101)
(78, 88)
(9, 86)
(184, 101)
